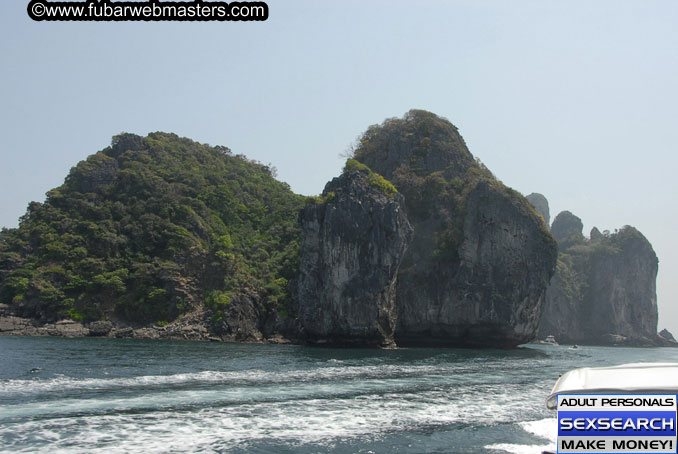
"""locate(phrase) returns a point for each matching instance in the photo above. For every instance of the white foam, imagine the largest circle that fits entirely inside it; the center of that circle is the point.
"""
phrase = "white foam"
(543, 428)
(8, 387)
(519, 449)
(215, 411)
(292, 419)
(460, 372)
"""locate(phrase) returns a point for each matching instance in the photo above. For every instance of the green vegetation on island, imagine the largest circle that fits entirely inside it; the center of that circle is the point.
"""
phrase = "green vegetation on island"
(163, 237)
(151, 228)
(375, 180)
(426, 159)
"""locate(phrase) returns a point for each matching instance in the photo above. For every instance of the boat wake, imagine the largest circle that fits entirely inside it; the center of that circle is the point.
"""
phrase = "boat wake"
(545, 429)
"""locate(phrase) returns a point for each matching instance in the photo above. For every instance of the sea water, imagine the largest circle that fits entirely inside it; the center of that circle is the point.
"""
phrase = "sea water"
(122, 395)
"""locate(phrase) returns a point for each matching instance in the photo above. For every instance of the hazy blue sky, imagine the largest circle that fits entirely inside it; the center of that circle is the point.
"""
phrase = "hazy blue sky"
(574, 99)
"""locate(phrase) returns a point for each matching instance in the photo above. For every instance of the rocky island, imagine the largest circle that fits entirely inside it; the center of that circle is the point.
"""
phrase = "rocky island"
(416, 243)
(468, 258)
(604, 289)
(155, 236)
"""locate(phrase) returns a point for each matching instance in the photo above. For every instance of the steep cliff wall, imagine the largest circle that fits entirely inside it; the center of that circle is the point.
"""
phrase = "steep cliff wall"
(477, 266)
(567, 226)
(541, 205)
(491, 293)
(604, 289)
(353, 242)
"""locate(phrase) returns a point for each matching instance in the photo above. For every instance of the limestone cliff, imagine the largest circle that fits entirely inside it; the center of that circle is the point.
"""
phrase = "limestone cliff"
(541, 205)
(604, 289)
(491, 293)
(567, 226)
(353, 242)
(666, 339)
(475, 270)
(666, 334)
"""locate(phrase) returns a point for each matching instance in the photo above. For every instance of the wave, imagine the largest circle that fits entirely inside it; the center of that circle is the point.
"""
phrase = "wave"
(254, 376)
(211, 429)
(312, 405)
(422, 388)
(545, 429)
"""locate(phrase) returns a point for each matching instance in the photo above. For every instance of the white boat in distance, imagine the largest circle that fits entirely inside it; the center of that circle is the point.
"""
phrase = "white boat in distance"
(549, 340)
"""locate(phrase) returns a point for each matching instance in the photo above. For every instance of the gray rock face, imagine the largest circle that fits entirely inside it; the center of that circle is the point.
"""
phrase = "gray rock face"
(666, 334)
(352, 246)
(541, 204)
(604, 292)
(480, 260)
(566, 225)
(12, 325)
(100, 328)
(191, 326)
(474, 273)
(241, 320)
(493, 294)
(19, 326)
(595, 234)
(665, 339)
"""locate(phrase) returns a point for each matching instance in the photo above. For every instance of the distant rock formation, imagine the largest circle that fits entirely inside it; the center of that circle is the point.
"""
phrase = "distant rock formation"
(604, 288)
(474, 272)
(666, 334)
(666, 339)
(353, 243)
(565, 226)
(416, 243)
(596, 235)
(541, 204)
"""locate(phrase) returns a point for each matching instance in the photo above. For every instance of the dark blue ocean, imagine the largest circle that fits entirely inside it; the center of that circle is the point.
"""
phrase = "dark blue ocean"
(135, 396)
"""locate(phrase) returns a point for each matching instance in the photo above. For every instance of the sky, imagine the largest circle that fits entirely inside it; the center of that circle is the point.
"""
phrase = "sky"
(577, 100)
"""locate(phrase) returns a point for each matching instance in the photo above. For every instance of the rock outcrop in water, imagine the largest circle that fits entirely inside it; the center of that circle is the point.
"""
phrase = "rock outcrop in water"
(666, 339)
(666, 334)
(604, 290)
(478, 263)
(354, 239)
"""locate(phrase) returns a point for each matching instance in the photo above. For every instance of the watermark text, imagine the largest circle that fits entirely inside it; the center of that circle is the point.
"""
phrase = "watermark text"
(152, 10)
